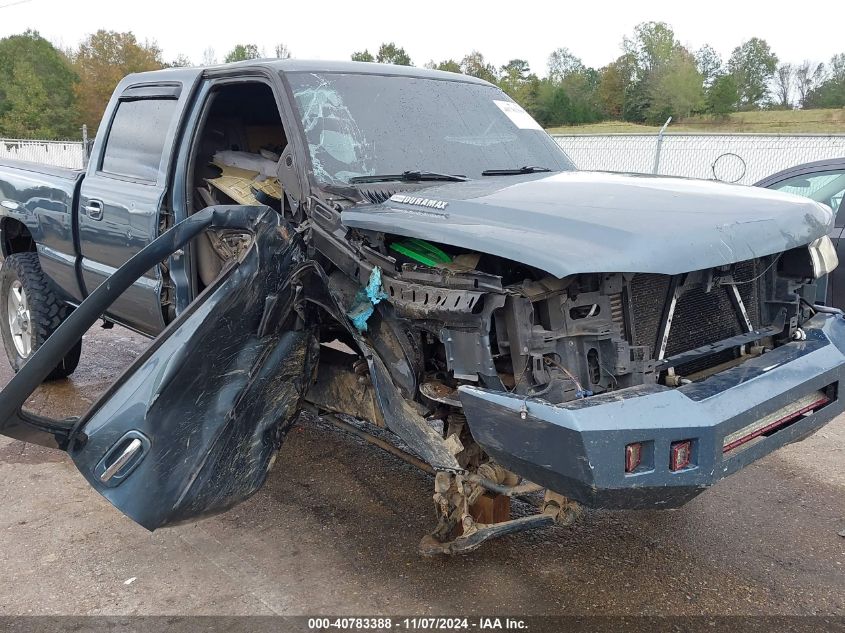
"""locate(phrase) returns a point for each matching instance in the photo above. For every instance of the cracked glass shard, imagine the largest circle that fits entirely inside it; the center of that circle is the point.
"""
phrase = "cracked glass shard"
(338, 148)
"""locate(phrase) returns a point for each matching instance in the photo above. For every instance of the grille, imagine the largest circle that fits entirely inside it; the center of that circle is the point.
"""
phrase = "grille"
(700, 317)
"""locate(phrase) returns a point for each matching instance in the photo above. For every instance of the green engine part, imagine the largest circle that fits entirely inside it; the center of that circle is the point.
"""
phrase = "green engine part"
(421, 251)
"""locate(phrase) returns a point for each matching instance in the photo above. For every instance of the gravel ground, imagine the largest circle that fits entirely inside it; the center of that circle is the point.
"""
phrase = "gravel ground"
(335, 531)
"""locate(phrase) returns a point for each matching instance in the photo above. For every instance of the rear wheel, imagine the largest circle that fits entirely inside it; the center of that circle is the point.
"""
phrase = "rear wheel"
(31, 312)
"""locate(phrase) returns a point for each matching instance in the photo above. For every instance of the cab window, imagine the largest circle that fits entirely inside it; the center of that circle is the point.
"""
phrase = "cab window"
(136, 139)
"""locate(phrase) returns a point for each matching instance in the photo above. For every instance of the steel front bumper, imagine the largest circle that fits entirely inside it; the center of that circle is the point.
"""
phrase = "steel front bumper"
(732, 418)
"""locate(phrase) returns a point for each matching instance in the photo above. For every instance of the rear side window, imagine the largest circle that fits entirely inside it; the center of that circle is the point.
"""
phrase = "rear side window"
(136, 139)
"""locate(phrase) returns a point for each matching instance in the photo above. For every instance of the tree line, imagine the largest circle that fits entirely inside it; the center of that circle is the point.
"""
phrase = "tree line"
(48, 92)
(654, 78)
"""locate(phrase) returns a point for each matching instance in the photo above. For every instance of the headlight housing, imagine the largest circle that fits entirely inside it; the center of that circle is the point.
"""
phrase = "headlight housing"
(822, 256)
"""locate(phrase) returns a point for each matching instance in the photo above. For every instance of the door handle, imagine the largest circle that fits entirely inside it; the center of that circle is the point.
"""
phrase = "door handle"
(94, 209)
(124, 458)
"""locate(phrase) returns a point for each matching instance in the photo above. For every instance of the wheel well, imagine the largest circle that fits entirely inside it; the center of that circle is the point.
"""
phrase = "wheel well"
(16, 237)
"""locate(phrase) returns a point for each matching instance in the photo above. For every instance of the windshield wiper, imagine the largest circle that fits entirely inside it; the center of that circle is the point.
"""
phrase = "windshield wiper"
(528, 169)
(408, 176)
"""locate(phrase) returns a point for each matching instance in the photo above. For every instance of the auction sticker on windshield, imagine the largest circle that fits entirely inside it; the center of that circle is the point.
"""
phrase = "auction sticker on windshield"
(518, 116)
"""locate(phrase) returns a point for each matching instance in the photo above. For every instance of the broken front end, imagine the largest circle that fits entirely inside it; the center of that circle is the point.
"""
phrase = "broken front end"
(613, 390)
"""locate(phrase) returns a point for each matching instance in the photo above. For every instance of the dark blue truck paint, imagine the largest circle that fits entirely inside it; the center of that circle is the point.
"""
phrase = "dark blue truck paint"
(44, 199)
(578, 222)
(79, 249)
(199, 416)
(234, 417)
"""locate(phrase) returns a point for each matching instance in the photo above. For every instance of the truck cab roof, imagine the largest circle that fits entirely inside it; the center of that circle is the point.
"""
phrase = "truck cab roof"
(304, 65)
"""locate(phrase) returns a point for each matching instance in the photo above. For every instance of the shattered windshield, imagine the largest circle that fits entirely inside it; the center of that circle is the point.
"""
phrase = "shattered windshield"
(363, 125)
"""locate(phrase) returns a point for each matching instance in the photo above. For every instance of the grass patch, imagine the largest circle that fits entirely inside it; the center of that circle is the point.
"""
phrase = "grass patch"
(821, 121)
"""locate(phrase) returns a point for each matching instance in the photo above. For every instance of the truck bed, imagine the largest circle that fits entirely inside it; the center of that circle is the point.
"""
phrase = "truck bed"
(43, 199)
(39, 168)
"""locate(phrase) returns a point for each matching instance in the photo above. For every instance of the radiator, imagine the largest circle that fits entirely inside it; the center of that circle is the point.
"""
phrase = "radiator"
(700, 317)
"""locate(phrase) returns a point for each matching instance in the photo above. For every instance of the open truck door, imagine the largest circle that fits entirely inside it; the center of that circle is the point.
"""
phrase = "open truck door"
(192, 426)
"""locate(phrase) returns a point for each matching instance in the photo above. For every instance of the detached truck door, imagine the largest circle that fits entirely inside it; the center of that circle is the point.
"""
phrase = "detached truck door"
(122, 194)
(193, 425)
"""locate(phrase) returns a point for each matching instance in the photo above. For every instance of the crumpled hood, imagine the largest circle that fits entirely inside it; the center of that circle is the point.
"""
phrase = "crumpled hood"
(581, 222)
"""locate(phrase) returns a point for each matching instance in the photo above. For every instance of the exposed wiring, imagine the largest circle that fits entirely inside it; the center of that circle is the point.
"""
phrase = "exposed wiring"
(521, 376)
(571, 376)
(580, 393)
(612, 377)
(530, 393)
(748, 281)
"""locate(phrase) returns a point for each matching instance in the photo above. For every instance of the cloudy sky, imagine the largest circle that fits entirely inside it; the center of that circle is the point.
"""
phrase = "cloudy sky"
(437, 29)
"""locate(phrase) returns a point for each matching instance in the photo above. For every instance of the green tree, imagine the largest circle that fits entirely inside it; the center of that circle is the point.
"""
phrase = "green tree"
(651, 46)
(554, 106)
(101, 61)
(37, 96)
(562, 63)
(709, 64)
(830, 89)
(637, 101)
(645, 55)
(475, 65)
(449, 65)
(582, 89)
(389, 53)
(613, 81)
(242, 52)
(676, 89)
(753, 65)
(517, 80)
(574, 100)
(723, 95)
(28, 102)
(516, 70)
(363, 56)
(528, 95)
(181, 61)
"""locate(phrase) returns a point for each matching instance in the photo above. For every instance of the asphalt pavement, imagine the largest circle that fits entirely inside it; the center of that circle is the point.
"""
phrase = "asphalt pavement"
(335, 531)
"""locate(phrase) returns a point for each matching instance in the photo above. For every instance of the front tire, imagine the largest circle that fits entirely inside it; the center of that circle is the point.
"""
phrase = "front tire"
(31, 312)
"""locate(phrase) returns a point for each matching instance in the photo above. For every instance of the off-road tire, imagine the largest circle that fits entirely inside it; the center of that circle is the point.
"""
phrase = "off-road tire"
(47, 311)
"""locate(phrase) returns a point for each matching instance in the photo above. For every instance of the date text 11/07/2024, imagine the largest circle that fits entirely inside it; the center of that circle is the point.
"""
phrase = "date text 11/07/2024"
(414, 624)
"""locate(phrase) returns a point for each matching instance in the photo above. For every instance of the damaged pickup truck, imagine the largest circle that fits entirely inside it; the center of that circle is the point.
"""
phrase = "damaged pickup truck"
(408, 248)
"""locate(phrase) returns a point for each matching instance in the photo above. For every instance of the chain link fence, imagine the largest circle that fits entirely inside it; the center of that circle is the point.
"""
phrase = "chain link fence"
(740, 158)
(70, 154)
